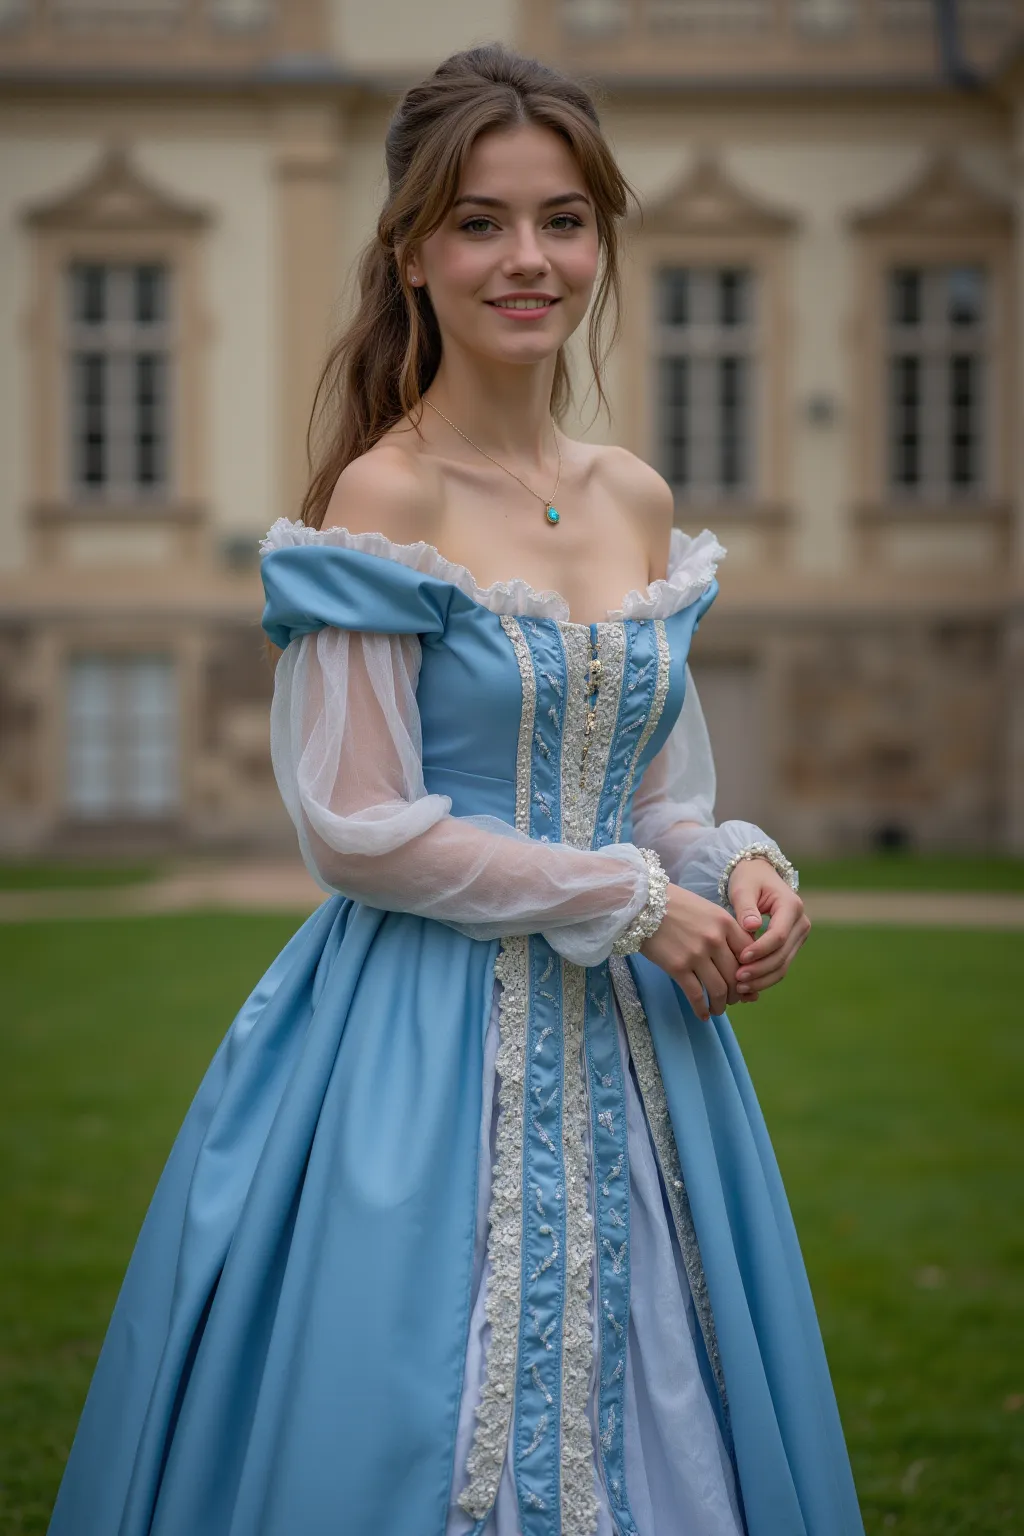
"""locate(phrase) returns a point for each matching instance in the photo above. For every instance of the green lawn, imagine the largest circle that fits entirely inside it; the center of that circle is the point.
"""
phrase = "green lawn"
(73, 877)
(891, 1068)
(913, 872)
(877, 871)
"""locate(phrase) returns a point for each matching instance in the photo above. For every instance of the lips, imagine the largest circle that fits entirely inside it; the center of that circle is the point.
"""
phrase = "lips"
(524, 304)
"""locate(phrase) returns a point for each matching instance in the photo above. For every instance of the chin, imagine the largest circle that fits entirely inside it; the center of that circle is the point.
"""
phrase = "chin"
(523, 349)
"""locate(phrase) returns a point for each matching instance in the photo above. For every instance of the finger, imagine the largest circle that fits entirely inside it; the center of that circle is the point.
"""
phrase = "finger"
(762, 983)
(772, 969)
(753, 975)
(766, 975)
(770, 942)
(727, 966)
(714, 984)
(744, 893)
(783, 920)
(791, 944)
(737, 939)
(694, 994)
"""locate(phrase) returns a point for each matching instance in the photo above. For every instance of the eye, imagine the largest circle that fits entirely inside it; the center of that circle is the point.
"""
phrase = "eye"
(478, 225)
(565, 221)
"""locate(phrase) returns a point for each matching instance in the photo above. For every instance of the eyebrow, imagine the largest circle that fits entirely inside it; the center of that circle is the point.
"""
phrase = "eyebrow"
(496, 202)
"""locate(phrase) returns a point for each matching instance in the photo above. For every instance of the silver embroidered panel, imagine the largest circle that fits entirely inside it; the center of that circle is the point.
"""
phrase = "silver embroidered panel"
(504, 1242)
(582, 783)
(581, 791)
(579, 1505)
(524, 753)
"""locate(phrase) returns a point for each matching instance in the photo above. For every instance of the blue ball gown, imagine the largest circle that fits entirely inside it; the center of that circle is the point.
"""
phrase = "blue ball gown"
(473, 1225)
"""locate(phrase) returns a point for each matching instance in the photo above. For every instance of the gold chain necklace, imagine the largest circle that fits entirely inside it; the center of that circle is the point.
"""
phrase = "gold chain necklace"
(551, 513)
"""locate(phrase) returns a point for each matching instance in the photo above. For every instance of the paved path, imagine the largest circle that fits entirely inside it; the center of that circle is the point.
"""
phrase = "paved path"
(245, 886)
(918, 909)
(280, 886)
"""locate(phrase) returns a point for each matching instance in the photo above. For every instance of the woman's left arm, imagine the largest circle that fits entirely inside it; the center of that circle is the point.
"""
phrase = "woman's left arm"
(734, 864)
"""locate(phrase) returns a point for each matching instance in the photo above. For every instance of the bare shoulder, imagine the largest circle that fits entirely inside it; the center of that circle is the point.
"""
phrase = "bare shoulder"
(643, 494)
(641, 487)
(389, 490)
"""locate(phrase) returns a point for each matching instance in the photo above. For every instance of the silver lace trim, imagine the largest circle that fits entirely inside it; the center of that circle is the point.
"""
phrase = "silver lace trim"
(524, 752)
(653, 719)
(652, 1091)
(505, 1217)
(504, 1239)
(581, 801)
(579, 1503)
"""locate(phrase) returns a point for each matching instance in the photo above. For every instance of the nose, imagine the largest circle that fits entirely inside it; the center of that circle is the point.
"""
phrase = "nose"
(526, 257)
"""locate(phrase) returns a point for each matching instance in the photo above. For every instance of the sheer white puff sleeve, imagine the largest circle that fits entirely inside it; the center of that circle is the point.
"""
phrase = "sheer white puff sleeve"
(673, 812)
(345, 740)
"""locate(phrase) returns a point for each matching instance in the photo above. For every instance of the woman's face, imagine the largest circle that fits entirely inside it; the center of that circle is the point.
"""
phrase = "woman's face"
(511, 270)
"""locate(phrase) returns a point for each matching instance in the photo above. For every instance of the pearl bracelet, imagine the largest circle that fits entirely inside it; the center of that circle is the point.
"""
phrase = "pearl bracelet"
(772, 854)
(648, 919)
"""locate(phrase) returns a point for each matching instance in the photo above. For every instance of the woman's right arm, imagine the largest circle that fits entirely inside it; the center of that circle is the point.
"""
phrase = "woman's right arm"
(345, 735)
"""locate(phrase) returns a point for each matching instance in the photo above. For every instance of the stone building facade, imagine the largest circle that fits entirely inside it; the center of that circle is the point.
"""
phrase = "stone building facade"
(822, 345)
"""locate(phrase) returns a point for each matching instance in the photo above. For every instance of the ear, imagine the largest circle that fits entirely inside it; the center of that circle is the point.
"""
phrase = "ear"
(413, 271)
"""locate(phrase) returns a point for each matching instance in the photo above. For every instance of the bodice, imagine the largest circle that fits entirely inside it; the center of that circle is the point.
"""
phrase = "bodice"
(526, 716)
(547, 724)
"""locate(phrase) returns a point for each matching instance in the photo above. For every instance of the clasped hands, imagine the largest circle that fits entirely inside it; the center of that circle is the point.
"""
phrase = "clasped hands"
(714, 956)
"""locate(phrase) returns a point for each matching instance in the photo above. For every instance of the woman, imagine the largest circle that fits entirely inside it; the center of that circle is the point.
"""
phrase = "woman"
(474, 1225)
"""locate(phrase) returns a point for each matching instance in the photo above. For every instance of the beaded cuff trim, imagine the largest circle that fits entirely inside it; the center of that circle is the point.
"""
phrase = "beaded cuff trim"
(648, 920)
(772, 854)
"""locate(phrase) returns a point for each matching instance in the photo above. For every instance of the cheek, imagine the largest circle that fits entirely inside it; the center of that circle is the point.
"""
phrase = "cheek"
(579, 264)
(456, 267)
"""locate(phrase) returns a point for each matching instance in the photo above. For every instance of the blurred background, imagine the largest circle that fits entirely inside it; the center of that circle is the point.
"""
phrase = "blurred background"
(822, 351)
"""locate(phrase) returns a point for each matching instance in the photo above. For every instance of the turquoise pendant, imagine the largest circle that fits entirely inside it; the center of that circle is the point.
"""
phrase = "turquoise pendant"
(552, 515)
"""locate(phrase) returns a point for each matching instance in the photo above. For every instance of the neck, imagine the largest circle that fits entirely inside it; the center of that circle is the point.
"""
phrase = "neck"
(504, 410)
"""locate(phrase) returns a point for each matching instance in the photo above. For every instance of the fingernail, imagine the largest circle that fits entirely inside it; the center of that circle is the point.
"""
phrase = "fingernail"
(748, 954)
(742, 975)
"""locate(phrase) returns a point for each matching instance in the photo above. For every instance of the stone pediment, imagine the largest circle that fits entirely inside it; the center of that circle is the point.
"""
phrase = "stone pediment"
(116, 196)
(706, 201)
(942, 199)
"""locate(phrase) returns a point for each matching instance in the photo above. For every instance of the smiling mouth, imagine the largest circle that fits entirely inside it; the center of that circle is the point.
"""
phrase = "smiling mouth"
(522, 304)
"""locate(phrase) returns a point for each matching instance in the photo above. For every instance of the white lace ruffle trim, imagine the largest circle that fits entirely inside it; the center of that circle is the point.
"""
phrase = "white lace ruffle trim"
(692, 563)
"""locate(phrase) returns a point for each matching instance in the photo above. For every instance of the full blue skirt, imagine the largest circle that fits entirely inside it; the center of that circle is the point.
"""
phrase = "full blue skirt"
(286, 1355)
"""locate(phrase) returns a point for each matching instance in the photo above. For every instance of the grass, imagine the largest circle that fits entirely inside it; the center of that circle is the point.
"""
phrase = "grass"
(891, 1070)
(896, 871)
(913, 872)
(73, 877)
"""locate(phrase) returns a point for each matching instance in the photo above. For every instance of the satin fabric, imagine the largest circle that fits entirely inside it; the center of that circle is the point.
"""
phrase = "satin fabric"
(679, 1474)
(288, 1349)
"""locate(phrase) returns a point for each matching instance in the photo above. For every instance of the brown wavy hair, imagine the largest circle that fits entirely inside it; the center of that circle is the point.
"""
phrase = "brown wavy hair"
(387, 355)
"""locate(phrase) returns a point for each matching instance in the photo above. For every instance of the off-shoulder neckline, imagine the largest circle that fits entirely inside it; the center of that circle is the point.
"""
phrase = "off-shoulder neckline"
(692, 564)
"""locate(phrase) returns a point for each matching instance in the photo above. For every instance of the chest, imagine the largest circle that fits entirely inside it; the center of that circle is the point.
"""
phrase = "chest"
(547, 723)
(593, 556)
